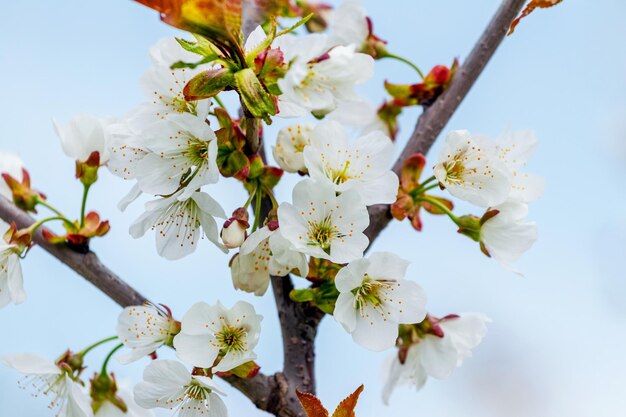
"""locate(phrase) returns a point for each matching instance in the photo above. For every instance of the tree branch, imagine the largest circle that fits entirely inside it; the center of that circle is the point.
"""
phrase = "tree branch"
(434, 119)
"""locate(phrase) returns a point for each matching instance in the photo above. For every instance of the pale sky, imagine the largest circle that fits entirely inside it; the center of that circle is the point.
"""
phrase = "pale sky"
(556, 344)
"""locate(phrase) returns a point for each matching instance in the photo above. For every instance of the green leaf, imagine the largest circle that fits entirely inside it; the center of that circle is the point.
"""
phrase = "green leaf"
(208, 84)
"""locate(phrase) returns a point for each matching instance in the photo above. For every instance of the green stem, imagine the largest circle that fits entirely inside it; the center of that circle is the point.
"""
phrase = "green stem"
(250, 197)
(219, 102)
(270, 194)
(440, 206)
(33, 227)
(108, 358)
(95, 345)
(84, 205)
(257, 210)
(430, 187)
(406, 61)
(49, 206)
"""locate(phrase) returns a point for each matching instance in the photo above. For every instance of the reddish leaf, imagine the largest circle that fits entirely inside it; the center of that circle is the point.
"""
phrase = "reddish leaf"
(530, 7)
(312, 405)
(346, 407)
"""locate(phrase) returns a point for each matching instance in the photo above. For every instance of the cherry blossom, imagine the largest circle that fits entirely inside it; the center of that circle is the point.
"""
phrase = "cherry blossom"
(290, 145)
(321, 224)
(182, 153)
(144, 329)
(362, 166)
(374, 298)
(319, 79)
(178, 225)
(82, 136)
(168, 384)
(11, 279)
(209, 332)
(436, 355)
(468, 167)
(348, 24)
(266, 252)
(514, 150)
(45, 377)
(508, 234)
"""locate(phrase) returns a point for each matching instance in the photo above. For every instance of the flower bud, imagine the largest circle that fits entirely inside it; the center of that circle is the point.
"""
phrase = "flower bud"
(234, 232)
(103, 389)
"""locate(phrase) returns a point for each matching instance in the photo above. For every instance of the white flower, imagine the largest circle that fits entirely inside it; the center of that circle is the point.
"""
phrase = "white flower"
(374, 298)
(515, 150)
(348, 24)
(9, 164)
(318, 79)
(508, 234)
(125, 150)
(82, 136)
(362, 166)
(178, 224)
(436, 356)
(163, 87)
(168, 384)
(211, 331)
(265, 252)
(182, 152)
(48, 379)
(290, 143)
(11, 279)
(321, 224)
(470, 170)
(167, 51)
(108, 409)
(144, 329)
(361, 115)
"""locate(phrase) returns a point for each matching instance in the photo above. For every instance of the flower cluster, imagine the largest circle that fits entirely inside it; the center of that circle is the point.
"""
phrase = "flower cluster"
(183, 139)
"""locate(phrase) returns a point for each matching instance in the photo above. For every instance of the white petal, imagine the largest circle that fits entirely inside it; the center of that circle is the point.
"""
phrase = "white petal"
(199, 351)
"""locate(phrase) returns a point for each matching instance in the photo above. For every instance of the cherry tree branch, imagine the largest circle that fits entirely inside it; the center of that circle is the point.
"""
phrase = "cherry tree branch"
(434, 118)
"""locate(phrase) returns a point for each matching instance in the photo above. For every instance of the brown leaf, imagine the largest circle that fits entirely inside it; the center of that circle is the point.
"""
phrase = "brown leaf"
(530, 7)
(312, 405)
(346, 407)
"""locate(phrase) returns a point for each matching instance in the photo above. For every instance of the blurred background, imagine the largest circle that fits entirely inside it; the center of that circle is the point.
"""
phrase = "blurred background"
(556, 344)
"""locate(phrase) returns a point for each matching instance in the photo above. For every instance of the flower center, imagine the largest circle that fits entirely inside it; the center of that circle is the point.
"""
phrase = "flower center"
(369, 293)
(231, 339)
(197, 392)
(322, 234)
(339, 176)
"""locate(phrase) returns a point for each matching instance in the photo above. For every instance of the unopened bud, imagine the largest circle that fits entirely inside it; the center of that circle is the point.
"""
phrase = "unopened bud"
(234, 232)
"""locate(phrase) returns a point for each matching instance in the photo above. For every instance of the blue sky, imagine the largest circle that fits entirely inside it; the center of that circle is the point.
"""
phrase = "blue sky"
(555, 346)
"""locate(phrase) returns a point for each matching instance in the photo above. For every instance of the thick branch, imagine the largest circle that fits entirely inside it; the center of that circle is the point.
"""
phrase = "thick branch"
(435, 118)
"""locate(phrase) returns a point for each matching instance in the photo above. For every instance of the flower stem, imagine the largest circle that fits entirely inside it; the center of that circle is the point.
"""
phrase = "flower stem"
(33, 227)
(219, 102)
(250, 197)
(49, 207)
(108, 358)
(84, 205)
(440, 206)
(406, 61)
(257, 209)
(95, 345)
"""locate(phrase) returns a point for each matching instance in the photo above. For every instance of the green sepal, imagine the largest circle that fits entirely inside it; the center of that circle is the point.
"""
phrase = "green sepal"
(256, 99)
(208, 84)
